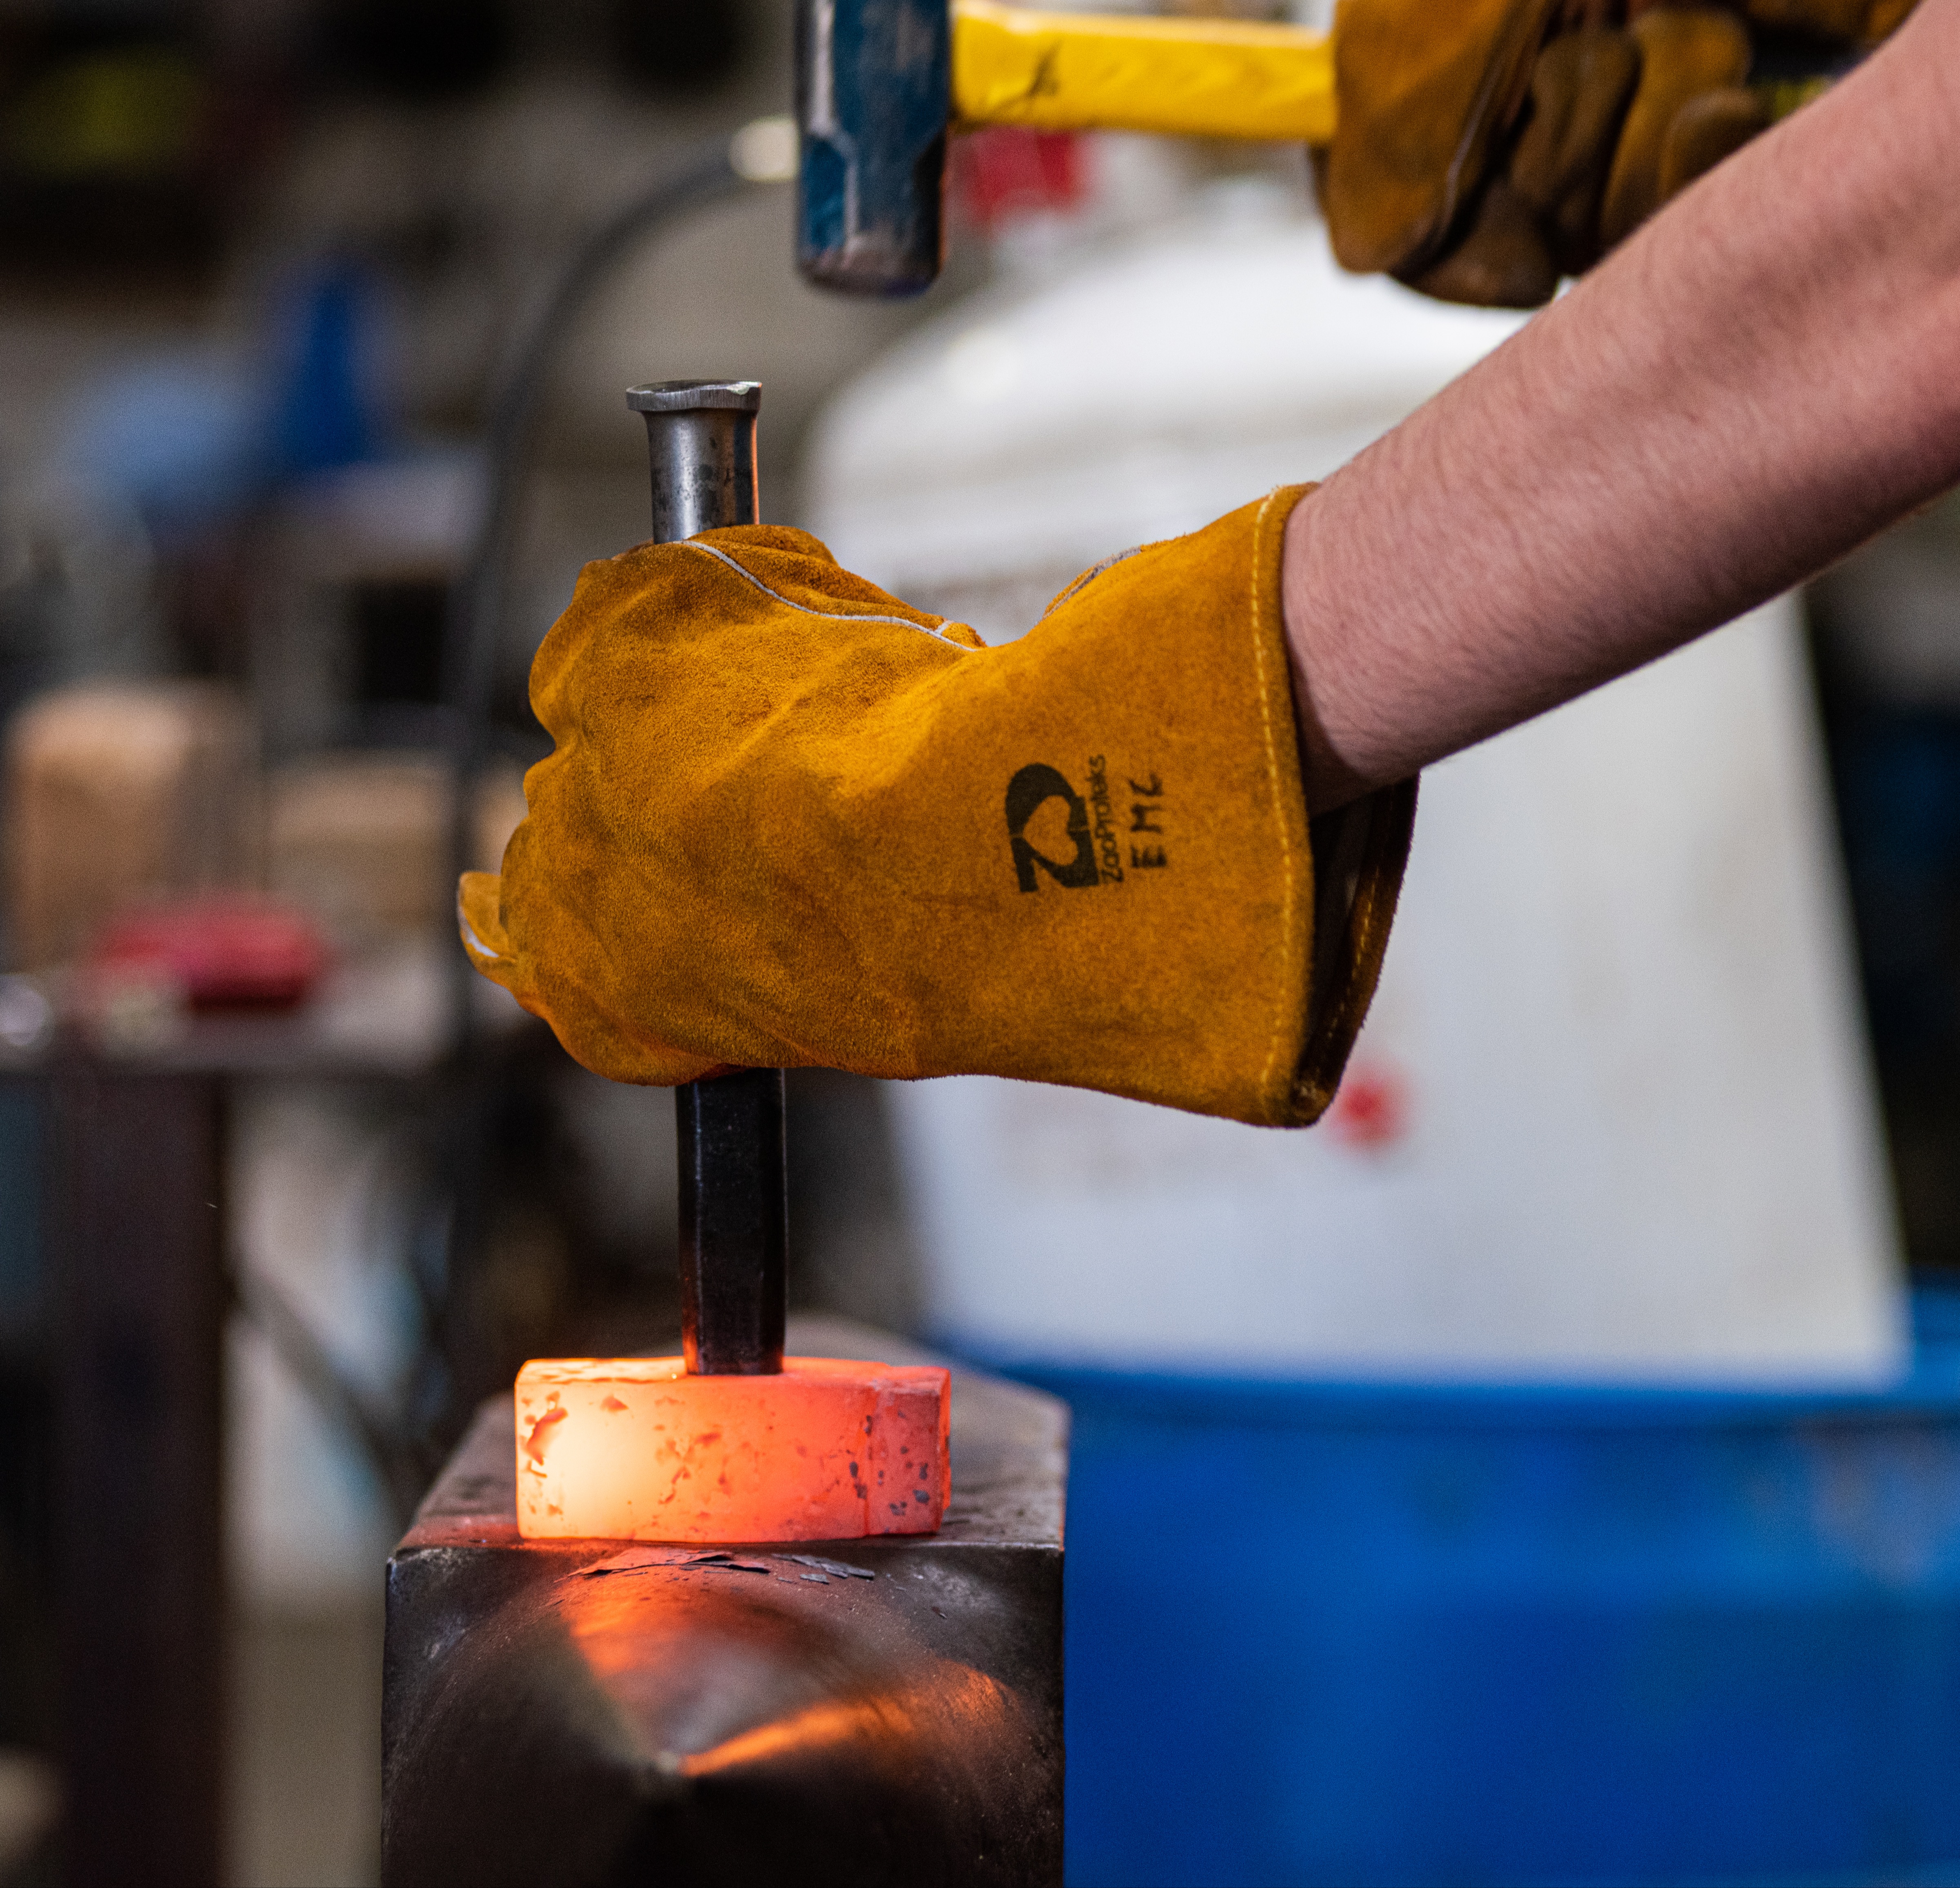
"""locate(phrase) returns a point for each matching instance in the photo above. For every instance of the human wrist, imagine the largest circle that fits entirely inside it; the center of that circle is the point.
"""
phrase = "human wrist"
(1314, 650)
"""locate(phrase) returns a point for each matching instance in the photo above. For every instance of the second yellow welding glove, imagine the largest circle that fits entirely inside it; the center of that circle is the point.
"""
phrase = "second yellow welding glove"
(789, 820)
(1482, 151)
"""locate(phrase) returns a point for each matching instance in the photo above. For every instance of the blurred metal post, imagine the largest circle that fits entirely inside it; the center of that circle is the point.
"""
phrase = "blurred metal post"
(137, 1244)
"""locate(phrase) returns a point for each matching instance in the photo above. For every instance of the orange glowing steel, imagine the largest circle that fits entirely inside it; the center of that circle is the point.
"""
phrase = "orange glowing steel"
(633, 1448)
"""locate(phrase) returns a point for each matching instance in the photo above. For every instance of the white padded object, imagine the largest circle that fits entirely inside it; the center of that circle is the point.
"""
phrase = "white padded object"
(1631, 1133)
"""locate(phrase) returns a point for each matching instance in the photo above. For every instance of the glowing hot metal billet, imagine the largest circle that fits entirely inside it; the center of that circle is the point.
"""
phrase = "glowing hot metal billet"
(638, 1449)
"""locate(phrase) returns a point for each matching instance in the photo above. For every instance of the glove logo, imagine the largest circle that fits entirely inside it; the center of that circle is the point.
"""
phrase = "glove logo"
(1029, 790)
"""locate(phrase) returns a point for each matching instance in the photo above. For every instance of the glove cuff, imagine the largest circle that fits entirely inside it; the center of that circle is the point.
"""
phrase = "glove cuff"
(1357, 855)
(1250, 956)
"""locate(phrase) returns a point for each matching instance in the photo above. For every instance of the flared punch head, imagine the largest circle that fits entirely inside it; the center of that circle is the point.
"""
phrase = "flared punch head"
(701, 444)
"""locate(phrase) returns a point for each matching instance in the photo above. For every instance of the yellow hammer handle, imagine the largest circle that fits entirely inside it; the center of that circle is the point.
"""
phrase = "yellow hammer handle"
(1185, 77)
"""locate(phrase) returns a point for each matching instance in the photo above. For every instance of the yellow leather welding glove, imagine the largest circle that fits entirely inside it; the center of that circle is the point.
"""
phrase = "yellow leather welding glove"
(1690, 58)
(789, 820)
(1484, 150)
(1426, 97)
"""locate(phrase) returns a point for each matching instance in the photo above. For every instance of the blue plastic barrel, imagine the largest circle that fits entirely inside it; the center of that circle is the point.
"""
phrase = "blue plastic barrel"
(1358, 1634)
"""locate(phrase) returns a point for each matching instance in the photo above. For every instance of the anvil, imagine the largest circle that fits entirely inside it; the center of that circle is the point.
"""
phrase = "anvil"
(867, 1711)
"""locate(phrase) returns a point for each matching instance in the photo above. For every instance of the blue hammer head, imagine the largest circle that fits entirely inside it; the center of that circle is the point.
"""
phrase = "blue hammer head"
(874, 91)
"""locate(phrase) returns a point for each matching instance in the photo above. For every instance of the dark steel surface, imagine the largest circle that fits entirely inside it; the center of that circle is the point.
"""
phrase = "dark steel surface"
(593, 1713)
(138, 1246)
(733, 1223)
(734, 1211)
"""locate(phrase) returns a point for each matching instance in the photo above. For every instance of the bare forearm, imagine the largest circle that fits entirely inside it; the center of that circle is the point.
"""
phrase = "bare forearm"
(1765, 375)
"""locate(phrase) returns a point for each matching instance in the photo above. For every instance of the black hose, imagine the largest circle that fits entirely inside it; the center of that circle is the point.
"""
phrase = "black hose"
(474, 622)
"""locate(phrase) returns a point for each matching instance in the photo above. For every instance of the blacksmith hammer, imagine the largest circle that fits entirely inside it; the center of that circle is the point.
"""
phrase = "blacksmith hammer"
(880, 82)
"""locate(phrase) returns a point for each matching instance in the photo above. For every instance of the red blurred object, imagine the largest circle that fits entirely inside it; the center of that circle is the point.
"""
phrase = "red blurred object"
(1372, 1110)
(1001, 172)
(217, 954)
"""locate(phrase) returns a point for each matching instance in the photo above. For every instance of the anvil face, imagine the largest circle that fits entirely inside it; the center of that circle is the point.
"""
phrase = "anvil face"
(875, 1711)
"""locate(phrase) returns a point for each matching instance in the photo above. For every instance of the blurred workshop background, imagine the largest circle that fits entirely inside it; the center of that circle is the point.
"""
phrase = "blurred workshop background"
(1618, 1275)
